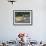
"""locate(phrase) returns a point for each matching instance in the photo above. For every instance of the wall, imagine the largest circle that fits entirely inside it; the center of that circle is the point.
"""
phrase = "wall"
(37, 31)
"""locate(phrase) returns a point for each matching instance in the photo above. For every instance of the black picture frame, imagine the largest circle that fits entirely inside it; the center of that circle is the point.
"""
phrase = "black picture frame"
(22, 17)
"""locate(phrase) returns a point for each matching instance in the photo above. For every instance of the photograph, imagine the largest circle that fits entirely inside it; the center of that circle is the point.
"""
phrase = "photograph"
(22, 16)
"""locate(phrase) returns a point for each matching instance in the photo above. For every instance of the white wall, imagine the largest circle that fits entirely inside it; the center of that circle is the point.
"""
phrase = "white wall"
(38, 30)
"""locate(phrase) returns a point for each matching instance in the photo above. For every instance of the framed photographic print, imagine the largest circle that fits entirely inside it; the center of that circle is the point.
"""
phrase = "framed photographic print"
(22, 17)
